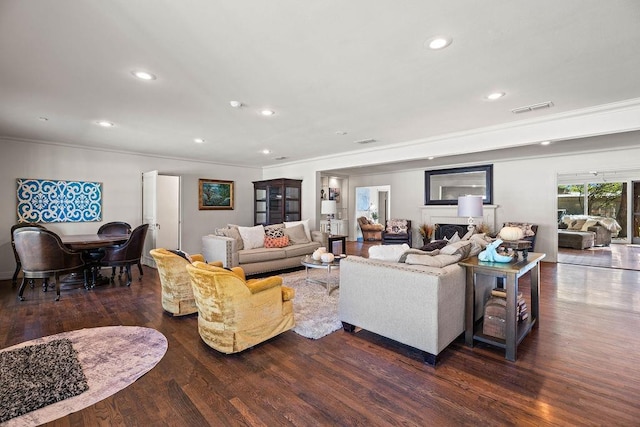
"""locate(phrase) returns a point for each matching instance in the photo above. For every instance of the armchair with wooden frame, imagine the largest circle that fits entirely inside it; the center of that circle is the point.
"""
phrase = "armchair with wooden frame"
(397, 232)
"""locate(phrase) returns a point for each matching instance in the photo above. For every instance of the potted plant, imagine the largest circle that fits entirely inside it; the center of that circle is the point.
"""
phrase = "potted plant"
(426, 231)
(374, 216)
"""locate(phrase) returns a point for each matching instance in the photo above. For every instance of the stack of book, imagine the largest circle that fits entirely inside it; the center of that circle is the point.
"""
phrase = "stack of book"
(521, 305)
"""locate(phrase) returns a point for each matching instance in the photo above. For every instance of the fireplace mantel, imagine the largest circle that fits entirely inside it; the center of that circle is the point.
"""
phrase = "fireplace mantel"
(449, 215)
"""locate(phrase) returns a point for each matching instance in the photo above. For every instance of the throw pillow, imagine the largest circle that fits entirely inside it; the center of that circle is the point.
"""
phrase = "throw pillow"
(462, 248)
(403, 257)
(397, 226)
(526, 228)
(232, 232)
(588, 223)
(276, 242)
(274, 230)
(453, 239)
(439, 261)
(577, 224)
(436, 244)
(296, 234)
(468, 235)
(252, 237)
(388, 252)
(305, 224)
(181, 254)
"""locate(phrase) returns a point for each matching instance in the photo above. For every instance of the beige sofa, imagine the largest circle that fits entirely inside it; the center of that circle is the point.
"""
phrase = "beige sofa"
(417, 305)
(258, 260)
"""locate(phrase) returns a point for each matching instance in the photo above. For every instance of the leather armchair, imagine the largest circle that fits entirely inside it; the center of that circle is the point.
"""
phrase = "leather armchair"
(370, 231)
(177, 293)
(43, 255)
(397, 232)
(234, 313)
(126, 254)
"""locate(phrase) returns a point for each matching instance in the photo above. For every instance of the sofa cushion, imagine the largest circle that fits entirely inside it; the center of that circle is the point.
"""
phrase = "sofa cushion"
(276, 242)
(305, 224)
(301, 249)
(388, 252)
(296, 234)
(248, 256)
(252, 237)
(274, 230)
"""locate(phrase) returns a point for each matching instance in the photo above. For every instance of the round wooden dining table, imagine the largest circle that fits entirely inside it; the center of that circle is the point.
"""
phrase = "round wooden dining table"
(81, 242)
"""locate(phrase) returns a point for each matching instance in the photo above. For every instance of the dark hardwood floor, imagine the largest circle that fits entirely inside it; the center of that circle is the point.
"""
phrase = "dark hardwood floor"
(579, 367)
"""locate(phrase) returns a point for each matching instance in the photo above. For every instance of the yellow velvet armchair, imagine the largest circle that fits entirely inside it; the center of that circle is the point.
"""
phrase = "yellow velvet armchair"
(234, 313)
(177, 293)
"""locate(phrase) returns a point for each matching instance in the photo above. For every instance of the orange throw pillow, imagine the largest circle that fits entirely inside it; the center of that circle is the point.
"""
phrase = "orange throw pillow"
(276, 242)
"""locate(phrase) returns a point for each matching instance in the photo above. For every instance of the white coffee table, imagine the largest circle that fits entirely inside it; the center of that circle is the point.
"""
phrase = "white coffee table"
(310, 263)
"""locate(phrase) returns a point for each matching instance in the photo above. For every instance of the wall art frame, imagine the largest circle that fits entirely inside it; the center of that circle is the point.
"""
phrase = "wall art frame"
(215, 194)
(444, 186)
(50, 201)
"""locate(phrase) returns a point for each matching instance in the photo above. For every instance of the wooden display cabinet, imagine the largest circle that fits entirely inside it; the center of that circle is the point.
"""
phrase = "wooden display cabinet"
(277, 200)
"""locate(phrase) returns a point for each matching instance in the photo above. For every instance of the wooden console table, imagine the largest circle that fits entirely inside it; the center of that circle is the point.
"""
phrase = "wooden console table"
(514, 331)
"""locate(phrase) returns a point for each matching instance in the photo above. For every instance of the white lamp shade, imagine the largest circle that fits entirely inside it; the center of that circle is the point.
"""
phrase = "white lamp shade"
(328, 207)
(470, 206)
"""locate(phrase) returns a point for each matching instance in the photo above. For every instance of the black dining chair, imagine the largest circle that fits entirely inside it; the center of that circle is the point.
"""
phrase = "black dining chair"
(42, 255)
(96, 256)
(14, 279)
(126, 254)
(115, 227)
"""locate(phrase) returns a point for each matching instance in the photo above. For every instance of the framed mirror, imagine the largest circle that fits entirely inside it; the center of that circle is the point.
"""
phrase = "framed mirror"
(444, 186)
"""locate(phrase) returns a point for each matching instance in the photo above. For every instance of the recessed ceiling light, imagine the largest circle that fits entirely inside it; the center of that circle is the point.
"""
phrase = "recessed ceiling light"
(104, 123)
(267, 112)
(198, 140)
(438, 42)
(430, 158)
(143, 75)
(495, 95)
(235, 104)
(545, 143)
(266, 151)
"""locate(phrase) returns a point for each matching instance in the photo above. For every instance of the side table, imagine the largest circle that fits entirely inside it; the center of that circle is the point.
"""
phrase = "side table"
(332, 238)
(514, 331)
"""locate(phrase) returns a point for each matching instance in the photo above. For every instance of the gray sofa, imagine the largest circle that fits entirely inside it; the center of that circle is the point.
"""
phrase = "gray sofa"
(417, 305)
(258, 260)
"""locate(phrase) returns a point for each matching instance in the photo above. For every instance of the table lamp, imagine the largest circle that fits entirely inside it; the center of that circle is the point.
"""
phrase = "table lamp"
(328, 208)
(470, 206)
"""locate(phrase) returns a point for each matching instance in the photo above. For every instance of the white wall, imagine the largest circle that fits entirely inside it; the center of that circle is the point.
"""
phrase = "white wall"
(120, 175)
(524, 190)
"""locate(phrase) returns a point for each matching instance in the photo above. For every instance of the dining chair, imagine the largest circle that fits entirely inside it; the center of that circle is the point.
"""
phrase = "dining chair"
(126, 254)
(42, 255)
(14, 280)
(113, 227)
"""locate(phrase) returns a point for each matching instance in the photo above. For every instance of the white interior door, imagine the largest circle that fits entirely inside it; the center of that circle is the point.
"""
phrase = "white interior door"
(168, 212)
(149, 214)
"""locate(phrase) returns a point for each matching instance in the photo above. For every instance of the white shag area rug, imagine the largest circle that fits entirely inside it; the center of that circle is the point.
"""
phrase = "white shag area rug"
(112, 358)
(315, 312)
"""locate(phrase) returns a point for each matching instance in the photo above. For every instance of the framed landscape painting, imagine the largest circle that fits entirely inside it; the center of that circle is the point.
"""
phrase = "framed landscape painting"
(215, 194)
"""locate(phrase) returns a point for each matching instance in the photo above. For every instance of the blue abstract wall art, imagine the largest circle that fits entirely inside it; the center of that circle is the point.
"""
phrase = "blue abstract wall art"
(45, 200)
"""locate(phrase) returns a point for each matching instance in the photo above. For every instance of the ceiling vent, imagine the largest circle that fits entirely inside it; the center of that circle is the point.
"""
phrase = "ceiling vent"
(281, 158)
(365, 141)
(532, 107)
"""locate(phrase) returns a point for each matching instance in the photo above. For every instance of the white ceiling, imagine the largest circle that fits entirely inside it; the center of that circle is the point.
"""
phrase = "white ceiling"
(355, 66)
